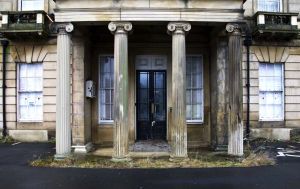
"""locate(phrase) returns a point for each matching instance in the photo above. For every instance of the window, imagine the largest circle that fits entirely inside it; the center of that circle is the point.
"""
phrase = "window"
(29, 5)
(194, 89)
(106, 88)
(30, 92)
(270, 5)
(271, 95)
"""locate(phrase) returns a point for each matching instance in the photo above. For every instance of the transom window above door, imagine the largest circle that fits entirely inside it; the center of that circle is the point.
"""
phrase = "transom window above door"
(30, 5)
(270, 5)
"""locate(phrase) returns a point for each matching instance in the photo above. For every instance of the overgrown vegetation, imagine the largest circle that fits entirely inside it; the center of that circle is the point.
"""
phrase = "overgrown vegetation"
(7, 139)
(199, 159)
(256, 153)
(295, 138)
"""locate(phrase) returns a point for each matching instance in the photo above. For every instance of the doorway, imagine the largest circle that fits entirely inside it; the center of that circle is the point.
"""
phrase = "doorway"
(151, 103)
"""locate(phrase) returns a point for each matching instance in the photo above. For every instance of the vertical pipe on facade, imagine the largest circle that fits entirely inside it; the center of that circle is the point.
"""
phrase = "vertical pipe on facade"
(4, 44)
(247, 43)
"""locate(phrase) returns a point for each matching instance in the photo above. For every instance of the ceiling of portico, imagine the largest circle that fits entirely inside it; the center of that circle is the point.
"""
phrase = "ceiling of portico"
(154, 33)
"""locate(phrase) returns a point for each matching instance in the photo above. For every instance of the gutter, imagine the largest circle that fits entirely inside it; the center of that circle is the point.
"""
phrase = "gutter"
(248, 43)
(4, 44)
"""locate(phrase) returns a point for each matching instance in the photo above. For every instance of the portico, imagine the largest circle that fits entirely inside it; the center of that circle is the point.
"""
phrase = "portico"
(159, 77)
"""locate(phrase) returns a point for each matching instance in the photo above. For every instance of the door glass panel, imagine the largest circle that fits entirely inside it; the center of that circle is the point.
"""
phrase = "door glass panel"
(159, 80)
(143, 112)
(143, 96)
(144, 80)
(159, 96)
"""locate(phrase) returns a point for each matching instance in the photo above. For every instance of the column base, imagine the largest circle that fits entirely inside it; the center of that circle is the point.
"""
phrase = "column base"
(60, 157)
(179, 159)
(236, 155)
(83, 149)
(121, 159)
(221, 148)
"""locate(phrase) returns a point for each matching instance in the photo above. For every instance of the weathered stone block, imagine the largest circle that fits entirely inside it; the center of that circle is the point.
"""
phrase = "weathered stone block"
(29, 135)
(271, 133)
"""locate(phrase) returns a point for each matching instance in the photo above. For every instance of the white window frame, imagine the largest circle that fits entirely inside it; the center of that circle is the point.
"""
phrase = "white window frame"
(20, 6)
(199, 121)
(264, 1)
(98, 91)
(282, 99)
(18, 96)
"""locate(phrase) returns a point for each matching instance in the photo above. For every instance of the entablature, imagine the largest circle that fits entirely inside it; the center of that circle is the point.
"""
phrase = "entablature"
(143, 14)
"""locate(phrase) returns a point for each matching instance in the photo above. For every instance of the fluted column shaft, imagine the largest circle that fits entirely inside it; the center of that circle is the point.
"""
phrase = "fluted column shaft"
(235, 126)
(63, 103)
(120, 30)
(179, 127)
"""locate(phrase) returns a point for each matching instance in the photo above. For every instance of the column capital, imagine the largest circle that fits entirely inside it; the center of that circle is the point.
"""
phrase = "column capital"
(233, 29)
(63, 28)
(120, 27)
(179, 27)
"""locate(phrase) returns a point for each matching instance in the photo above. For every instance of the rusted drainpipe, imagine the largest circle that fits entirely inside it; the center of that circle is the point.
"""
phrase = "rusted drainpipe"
(248, 43)
(4, 44)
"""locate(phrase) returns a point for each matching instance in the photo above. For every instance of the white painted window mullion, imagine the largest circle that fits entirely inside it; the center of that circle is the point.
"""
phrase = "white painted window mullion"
(30, 92)
(30, 5)
(270, 5)
(271, 92)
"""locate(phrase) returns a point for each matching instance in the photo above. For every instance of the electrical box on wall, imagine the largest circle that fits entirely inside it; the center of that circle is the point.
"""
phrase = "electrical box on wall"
(90, 91)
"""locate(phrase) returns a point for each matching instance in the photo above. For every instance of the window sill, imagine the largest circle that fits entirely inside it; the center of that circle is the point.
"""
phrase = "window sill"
(30, 121)
(194, 122)
(270, 120)
(106, 122)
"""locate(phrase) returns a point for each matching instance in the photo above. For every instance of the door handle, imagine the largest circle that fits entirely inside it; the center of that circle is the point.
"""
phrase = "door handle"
(153, 123)
(152, 108)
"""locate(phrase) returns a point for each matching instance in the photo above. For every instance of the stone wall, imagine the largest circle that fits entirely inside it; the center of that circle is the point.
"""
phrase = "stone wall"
(291, 60)
(47, 56)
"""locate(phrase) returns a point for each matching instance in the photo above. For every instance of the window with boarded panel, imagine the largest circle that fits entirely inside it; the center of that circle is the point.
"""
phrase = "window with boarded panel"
(270, 5)
(30, 5)
(30, 92)
(194, 88)
(106, 89)
(271, 92)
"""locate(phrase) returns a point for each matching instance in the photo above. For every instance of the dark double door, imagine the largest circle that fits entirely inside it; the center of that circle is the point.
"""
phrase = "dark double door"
(151, 105)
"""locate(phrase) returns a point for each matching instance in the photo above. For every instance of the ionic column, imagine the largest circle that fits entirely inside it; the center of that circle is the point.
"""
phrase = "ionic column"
(120, 30)
(63, 92)
(179, 128)
(235, 125)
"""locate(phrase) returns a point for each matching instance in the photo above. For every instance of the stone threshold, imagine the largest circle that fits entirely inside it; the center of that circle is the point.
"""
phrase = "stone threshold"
(107, 152)
(140, 149)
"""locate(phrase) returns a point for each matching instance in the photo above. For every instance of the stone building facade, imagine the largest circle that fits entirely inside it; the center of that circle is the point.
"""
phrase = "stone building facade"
(111, 73)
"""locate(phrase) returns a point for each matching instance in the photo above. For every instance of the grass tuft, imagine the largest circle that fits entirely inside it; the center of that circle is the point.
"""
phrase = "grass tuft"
(7, 139)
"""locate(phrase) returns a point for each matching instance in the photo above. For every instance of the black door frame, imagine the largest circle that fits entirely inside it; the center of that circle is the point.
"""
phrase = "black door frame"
(151, 91)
